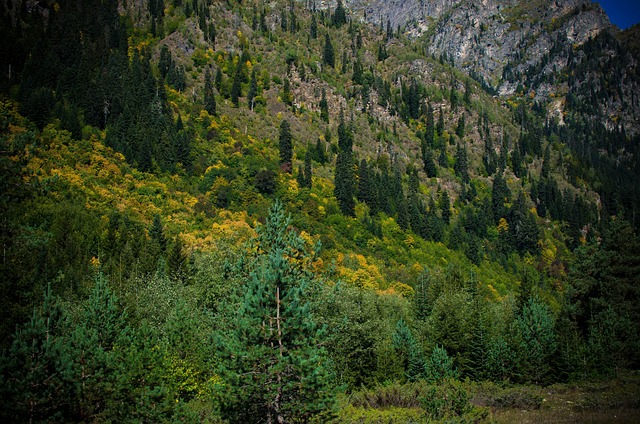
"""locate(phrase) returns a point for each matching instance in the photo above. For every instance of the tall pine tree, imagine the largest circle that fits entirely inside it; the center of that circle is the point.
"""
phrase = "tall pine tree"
(344, 181)
(271, 355)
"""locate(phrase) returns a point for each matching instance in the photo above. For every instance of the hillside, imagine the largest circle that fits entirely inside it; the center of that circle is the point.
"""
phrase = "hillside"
(306, 211)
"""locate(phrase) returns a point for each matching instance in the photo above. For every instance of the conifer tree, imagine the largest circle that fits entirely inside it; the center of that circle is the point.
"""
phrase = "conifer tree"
(287, 96)
(37, 369)
(218, 80)
(156, 232)
(253, 89)
(300, 177)
(209, 95)
(320, 152)
(98, 330)
(538, 340)
(339, 17)
(236, 87)
(439, 366)
(324, 107)
(272, 354)
(445, 206)
(409, 351)
(429, 164)
(285, 143)
(461, 165)
(440, 125)
(328, 56)
(308, 169)
(357, 71)
(344, 183)
(313, 30)
(461, 127)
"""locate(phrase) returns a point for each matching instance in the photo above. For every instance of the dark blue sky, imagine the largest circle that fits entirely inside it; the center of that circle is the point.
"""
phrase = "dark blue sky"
(623, 13)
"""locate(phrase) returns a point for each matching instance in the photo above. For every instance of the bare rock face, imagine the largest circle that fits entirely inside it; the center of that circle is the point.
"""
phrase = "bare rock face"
(516, 46)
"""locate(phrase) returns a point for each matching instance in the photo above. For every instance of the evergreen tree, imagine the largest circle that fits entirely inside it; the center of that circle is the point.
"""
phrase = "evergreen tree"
(467, 93)
(212, 34)
(236, 87)
(408, 350)
(37, 369)
(499, 195)
(99, 329)
(363, 192)
(344, 184)
(285, 143)
(357, 71)
(286, 96)
(165, 62)
(538, 340)
(328, 56)
(156, 232)
(461, 127)
(461, 165)
(209, 95)
(445, 207)
(439, 366)
(429, 131)
(300, 177)
(253, 89)
(523, 230)
(218, 80)
(546, 162)
(320, 152)
(440, 125)
(339, 17)
(313, 31)
(272, 355)
(429, 164)
(308, 169)
(324, 107)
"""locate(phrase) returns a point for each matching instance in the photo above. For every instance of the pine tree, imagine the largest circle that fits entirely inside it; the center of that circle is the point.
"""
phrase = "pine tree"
(324, 107)
(445, 207)
(218, 80)
(308, 169)
(357, 71)
(313, 31)
(285, 143)
(236, 87)
(439, 366)
(461, 165)
(328, 56)
(499, 195)
(339, 17)
(156, 232)
(408, 350)
(320, 152)
(429, 164)
(209, 95)
(344, 184)
(98, 330)
(253, 89)
(36, 371)
(300, 177)
(440, 125)
(461, 127)
(287, 96)
(538, 341)
(272, 355)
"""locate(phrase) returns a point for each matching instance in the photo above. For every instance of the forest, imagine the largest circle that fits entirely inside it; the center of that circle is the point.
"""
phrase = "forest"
(239, 211)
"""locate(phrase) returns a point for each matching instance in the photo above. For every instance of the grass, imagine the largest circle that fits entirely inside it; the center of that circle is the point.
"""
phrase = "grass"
(616, 400)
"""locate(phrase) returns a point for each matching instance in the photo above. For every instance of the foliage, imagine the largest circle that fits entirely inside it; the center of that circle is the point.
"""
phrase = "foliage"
(272, 360)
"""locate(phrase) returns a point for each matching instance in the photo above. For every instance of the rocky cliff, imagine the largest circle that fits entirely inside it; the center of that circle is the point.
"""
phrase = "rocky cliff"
(538, 48)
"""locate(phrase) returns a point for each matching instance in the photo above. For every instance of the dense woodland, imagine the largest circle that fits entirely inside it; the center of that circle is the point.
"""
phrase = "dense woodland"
(233, 211)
